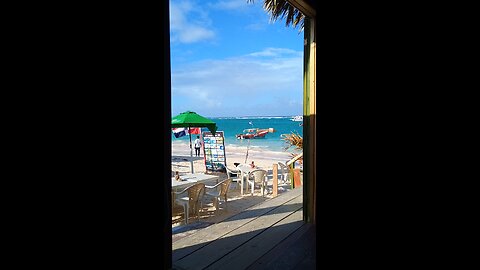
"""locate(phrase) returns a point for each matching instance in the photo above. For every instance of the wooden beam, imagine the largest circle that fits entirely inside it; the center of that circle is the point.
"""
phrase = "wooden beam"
(304, 7)
(275, 180)
(291, 161)
(310, 122)
(296, 178)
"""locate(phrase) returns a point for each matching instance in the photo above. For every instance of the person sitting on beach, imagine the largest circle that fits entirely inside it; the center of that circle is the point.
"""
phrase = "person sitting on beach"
(252, 165)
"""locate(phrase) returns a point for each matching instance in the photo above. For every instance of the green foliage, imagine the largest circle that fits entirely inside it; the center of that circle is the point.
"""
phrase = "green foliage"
(293, 140)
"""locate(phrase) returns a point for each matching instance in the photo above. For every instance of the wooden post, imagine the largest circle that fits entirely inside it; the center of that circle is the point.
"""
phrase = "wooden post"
(275, 180)
(296, 177)
(290, 175)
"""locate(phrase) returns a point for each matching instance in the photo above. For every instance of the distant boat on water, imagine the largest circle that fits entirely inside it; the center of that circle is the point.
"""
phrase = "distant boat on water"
(254, 133)
(297, 118)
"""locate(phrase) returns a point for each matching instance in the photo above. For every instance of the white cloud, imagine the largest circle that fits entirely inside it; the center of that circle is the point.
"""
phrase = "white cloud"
(189, 23)
(260, 83)
(256, 26)
(275, 52)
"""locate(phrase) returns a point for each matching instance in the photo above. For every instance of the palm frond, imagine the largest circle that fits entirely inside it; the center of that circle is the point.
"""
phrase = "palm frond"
(293, 140)
(283, 9)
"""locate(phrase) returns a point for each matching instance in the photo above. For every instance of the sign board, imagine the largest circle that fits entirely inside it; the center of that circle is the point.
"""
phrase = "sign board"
(214, 151)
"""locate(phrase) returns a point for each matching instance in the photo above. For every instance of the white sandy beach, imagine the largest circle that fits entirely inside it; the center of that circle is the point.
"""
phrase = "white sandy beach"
(262, 158)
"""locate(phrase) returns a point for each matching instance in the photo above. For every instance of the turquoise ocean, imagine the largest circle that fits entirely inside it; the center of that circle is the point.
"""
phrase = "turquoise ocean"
(235, 125)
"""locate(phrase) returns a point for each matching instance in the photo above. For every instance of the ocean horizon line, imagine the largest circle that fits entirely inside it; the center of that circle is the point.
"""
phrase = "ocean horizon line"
(253, 117)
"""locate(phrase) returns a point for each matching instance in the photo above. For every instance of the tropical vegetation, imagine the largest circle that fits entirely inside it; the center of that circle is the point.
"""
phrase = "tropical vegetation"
(294, 140)
(284, 10)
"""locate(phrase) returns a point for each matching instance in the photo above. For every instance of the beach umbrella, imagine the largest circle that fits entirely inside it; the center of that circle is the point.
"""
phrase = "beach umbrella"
(190, 119)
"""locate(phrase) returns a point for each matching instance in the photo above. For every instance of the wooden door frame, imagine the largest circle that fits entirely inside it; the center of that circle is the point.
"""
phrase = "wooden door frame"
(309, 111)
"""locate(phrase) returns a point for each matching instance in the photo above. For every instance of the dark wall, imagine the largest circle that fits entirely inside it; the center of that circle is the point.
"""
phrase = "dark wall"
(99, 132)
(166, 137)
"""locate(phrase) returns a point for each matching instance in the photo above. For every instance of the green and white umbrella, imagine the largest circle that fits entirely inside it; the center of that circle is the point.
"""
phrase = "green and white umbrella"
(190, 119)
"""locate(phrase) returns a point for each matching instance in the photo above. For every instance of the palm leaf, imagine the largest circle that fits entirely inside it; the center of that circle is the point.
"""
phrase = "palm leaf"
(293, 140)
(282, 9)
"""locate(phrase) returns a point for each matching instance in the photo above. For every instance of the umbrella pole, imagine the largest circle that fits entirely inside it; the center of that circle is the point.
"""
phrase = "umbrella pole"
(248, 146)
(191, 156)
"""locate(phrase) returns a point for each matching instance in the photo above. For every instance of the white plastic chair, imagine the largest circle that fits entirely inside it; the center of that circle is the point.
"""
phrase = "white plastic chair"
(257, 177)
(218, 191)
(192, 201)
(285, 171)
(244, 170)
(234, 174)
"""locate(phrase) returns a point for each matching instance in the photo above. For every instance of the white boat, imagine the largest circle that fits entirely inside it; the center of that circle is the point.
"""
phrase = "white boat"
(297, 118)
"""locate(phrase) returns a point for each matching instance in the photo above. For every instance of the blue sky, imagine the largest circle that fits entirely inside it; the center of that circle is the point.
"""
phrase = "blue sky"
(228, 59)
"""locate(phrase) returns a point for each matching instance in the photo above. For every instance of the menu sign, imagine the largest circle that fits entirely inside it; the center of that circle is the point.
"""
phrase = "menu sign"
(214, 151)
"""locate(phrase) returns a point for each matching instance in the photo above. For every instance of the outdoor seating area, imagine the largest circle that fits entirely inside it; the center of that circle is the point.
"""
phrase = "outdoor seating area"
(223, 195)
(207, 190)
(236, 214)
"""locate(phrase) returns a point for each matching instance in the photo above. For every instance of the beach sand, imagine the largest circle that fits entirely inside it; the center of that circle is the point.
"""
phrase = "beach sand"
(236, 202)
(262, 158)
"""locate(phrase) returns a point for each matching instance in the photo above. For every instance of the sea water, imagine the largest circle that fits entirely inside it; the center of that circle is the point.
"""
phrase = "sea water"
(231, 126)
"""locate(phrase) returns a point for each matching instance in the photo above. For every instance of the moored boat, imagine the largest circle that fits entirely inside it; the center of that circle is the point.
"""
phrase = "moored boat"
(297, 118)
(254, 133)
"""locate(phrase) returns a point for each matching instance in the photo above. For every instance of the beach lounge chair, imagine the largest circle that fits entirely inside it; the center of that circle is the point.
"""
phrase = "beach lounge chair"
(191, 202)
(257, 177)
(218, 191)
(284, 172)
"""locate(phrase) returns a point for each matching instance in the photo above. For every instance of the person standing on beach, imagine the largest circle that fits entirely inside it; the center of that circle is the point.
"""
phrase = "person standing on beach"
(198, 144)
